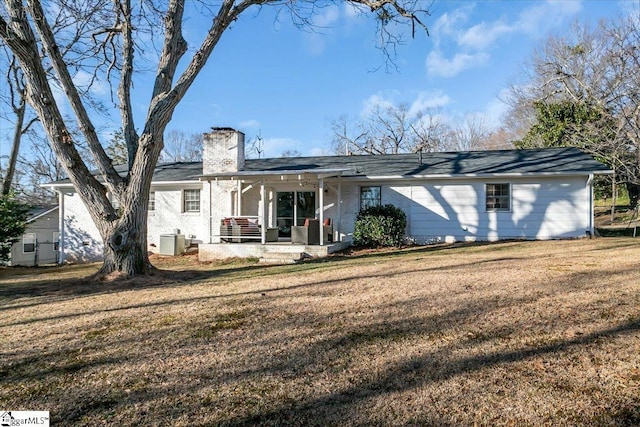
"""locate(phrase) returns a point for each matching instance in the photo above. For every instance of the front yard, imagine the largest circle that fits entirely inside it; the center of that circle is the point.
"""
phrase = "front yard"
(514, 333)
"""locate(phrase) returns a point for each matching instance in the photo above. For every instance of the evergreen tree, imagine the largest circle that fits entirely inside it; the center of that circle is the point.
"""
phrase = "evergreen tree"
(13, 221)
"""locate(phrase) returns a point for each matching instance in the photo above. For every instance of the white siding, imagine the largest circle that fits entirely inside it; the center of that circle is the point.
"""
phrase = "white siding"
(437, 210)
(445, 212)
(454, 210)
(82, 241)
(44, 229)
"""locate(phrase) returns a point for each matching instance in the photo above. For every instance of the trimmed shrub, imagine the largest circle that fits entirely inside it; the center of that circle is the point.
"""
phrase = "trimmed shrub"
(379, 226)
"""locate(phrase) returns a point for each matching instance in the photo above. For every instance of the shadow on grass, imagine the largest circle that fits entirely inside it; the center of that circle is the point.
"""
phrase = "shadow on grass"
(49, 286)
(189, 277)
(33, 293)
(299, 360)
(619, 232)
(418, 371)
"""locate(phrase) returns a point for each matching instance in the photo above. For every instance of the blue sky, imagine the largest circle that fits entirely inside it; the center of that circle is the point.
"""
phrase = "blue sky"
(267, 77)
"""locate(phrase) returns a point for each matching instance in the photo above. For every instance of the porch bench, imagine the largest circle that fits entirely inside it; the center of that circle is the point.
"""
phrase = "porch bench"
(240, 229)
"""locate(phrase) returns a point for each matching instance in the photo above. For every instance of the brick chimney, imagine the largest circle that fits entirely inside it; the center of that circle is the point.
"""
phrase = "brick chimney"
(223, 151)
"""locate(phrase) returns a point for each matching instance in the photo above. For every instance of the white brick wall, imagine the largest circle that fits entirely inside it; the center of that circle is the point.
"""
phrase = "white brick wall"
(223, 151)
(168, 216)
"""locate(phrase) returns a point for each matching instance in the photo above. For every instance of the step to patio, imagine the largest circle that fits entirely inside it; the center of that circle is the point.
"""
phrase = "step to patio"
(282, 257)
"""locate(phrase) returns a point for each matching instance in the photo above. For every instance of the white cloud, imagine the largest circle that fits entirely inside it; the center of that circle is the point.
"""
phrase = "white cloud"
(249, 124)
(438, 65)
(274, 147)
(330, 16)
(423, 101)
(322, 26)
(448, 23)
(428, 101)
(537, 20)
(316, 151)
(495, 110)
(483, 35)
(99, 87)
(469, 46)
(373, 102)
(352, 10)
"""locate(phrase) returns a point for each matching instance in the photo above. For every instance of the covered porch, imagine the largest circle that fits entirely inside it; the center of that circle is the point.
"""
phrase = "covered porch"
(261, 213)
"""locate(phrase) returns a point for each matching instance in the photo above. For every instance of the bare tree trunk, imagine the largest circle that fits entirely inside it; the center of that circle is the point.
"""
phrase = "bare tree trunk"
(15, 148)
(40, 49)
(125, 251)
(613, 197)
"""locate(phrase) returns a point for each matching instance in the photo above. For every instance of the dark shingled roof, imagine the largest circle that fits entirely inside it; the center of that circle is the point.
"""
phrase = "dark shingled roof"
(181, 171)
(534, 161)
(565, 161)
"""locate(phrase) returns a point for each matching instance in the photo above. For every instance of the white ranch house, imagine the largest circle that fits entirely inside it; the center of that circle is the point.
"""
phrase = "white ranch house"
(232, 206)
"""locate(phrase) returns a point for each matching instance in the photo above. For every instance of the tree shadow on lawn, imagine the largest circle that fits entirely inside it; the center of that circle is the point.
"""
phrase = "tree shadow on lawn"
(346, 404)
(331, 407)
(66, 290)
(430, 368)
(62, 289)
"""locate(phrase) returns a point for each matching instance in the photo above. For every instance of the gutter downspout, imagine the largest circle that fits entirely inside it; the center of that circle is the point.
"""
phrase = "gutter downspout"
(210, 227)
(339, 221)
(321, 201)
(61, 237)
(263, 211)
(591, 206)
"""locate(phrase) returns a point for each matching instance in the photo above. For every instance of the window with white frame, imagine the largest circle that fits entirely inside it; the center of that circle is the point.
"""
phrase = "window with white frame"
(191, 201)
(152, 201)
(28, 243)
(498, 197)
(370, 196)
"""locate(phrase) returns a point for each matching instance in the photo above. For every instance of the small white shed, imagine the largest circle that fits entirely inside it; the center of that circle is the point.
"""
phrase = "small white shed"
(39, 243)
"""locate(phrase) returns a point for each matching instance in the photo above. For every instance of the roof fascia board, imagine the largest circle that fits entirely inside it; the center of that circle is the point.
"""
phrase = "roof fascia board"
(42, 214)
(69, 186)
(471, 175)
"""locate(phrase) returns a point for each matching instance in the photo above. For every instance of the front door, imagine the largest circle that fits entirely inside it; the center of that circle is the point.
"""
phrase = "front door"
(292, 208)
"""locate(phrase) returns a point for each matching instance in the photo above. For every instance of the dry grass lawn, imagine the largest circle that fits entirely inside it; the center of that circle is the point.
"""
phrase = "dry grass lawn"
(514, 333)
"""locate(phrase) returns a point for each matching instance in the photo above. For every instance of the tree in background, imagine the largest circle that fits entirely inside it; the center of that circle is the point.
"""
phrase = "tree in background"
(179, 147)
(117, 149)
(583, 91)
(104, 40)
(17, 105)
(562, 123)
(470, 134)
(396, 129)
(182, 147)
(13, 221)
(291, 153)
(389, 129)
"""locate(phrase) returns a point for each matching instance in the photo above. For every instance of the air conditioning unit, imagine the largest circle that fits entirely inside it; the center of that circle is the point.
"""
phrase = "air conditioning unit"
(172, 244)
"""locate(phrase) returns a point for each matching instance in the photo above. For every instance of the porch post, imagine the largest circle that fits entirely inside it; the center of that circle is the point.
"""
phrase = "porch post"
(239, 199)
(263, 223)
(592, 228)
(321, 191)
(339, 208)
(61, 236)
